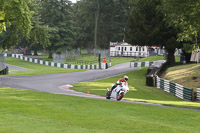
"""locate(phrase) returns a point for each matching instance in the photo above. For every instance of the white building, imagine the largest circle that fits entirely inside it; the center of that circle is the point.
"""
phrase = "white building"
(125, 49)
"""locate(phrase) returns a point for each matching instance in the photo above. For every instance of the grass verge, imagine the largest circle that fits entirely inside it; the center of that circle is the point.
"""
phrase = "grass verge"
(119, 60)
(36, 69)
(152, 58)
(187, 75)
(155, 58)
(30, 112)
(85, 60)
(138, 90)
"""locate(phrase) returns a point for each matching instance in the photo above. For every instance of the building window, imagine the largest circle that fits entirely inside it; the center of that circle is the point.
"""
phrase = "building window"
(119, 48)
(125, 49)
(136, 48)
(130, 48)
(143, 48)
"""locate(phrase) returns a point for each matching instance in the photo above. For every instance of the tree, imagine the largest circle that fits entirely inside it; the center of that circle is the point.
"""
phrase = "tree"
(96, 24)
(147, 27)
(85, 22)
(82, 25)
(14, 21)
(57, 14)
(100, 21)
(39, 34)
(184, 15)
(113, 21)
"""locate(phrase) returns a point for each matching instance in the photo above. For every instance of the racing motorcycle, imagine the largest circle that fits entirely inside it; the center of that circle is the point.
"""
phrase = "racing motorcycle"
(119, 92)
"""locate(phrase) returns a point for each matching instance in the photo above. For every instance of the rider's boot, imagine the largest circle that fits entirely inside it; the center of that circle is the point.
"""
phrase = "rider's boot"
(113, 87)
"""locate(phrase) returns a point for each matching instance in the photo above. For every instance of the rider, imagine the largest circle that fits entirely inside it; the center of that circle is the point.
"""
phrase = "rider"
(125, 79)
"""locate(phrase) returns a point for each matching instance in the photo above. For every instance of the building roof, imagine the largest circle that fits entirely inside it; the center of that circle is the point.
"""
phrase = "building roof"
(114, 44)
(119, 44)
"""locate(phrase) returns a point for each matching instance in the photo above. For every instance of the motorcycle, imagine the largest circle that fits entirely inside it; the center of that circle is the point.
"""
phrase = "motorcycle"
(119, 92)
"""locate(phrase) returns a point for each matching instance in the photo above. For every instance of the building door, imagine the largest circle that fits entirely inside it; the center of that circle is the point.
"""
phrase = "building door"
(139, 50)
(151, 52)
(122, 52)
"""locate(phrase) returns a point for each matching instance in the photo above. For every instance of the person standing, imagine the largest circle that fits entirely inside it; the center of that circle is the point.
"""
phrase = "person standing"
(105, 63)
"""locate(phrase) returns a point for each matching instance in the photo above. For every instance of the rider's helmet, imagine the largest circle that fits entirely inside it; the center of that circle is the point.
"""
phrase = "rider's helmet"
(125, 77)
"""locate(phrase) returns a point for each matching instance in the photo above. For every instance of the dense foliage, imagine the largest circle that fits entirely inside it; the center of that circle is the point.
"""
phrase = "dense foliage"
(14, 20)
(106, 17)
(147, 27)
(57, 25)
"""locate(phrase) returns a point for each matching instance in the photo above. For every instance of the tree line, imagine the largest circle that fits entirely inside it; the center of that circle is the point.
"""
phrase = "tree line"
(58, 25)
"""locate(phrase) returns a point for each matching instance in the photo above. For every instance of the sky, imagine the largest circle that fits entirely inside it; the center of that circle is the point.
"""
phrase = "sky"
(73, 1)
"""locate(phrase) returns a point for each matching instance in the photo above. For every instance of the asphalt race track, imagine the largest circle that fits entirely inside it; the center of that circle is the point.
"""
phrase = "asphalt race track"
(57, 83)
(51, 82)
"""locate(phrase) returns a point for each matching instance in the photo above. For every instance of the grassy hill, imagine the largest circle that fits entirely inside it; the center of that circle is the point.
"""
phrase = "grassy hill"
(138, 90)
(187, 75)
(38, 112)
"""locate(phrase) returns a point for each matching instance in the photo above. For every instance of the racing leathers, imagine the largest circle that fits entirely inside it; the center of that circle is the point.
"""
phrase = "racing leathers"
(119, 82)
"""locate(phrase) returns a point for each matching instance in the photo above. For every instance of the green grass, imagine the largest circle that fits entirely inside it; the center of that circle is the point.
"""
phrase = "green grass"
(82, 60)
(152, 58)
(138, 90)
(119, 60)
(38, 112)
(155, 58)
(85, 60)
(36, 69)
(187, 75)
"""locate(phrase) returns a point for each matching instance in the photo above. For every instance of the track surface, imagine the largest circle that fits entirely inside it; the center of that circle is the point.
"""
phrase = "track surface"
(16, 68)
(51, 82)
(56, 83)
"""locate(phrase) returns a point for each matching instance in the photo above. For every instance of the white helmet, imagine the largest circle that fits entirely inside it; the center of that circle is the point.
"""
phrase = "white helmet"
(125, 77)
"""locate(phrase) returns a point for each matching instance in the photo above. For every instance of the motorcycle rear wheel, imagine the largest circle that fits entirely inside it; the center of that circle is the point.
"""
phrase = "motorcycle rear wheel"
(120, 96)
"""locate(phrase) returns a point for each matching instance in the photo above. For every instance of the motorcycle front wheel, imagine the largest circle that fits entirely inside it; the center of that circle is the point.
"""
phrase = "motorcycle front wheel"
(108, 95)
(120, 96)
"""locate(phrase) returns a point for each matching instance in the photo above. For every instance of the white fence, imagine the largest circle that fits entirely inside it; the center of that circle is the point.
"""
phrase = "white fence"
(175, 89)
(198, 94)
(147, 63)
(53, 64)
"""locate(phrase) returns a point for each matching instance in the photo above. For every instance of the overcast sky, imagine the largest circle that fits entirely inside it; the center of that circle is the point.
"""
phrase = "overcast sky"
(73, 1)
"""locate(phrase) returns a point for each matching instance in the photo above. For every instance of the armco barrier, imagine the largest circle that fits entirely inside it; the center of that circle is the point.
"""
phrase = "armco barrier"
(153, 80)
(8, 55)
(152, 71)
(175, 89)
(53, 64)
(141, 64)
(147, 63)
(198, 94)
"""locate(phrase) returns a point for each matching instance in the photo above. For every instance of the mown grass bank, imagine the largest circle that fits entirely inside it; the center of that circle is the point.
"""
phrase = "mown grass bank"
(36, 69)
(187, 75)
(30, 112)
(138, 90)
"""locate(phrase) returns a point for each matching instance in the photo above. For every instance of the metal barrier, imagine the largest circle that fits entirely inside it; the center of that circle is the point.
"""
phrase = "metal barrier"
(175, 89)
(141, 64)
(128, 54)
(53, 64)
(198, 94)
(2, 62)
(3, 67)
(147, 63)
